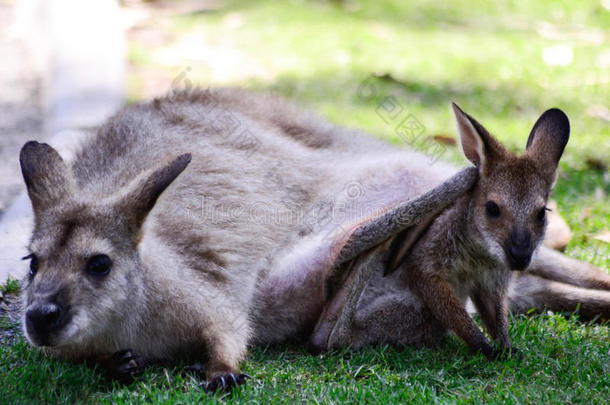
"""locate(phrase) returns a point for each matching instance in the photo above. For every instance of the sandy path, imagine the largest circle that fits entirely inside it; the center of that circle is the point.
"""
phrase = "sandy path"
(20, 106)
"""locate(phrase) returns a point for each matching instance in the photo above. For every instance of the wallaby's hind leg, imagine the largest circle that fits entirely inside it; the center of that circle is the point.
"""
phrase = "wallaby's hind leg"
(336, 324)
(532, 292)
(395, 317)
(553, 265)
(367, 308)
(559, 283)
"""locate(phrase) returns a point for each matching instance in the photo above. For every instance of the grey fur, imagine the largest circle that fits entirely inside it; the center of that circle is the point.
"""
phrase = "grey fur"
(255, 241)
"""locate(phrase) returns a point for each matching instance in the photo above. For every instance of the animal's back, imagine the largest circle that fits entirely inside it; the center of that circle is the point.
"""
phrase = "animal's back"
(259, 166)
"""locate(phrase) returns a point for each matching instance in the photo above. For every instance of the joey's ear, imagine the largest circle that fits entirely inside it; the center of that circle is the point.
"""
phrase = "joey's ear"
(47, 177)
(478, 145)
(143, 194)
(547, 141)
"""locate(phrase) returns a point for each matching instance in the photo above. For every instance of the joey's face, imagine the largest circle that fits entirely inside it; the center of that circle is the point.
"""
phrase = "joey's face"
(509, 202)
(80, 279)
(510, 211)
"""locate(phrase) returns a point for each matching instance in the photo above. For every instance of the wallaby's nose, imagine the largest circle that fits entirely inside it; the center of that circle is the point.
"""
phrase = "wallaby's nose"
(42, 319)
(519, 258)
(520, 239)
(519, 250)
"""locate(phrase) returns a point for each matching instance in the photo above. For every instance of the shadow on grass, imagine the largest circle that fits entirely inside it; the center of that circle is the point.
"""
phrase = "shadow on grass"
(366, 89)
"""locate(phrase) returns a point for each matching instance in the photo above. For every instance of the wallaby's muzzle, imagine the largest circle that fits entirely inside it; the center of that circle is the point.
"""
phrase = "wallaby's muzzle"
(518, 260)
(519, 250)
(42, 320)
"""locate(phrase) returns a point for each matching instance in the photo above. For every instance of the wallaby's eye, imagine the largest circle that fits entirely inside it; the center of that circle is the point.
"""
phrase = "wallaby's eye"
(33, 264)
(492, 209)
(98, 265)
(542, 214)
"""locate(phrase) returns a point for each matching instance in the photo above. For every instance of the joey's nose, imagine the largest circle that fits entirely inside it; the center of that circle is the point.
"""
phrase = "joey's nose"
(42, 319)
(518, 257)
(520, 240)
(518, 250)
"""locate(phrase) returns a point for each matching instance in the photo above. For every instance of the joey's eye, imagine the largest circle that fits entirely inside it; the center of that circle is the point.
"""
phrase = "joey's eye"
(98, 265)
(33, 264)
(492, 209)
(542, 214)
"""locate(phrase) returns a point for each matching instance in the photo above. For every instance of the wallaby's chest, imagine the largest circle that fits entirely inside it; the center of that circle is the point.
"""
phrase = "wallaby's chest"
(467, 276)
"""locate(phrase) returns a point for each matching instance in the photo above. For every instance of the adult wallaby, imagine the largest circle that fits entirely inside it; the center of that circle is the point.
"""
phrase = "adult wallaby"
(205, 221)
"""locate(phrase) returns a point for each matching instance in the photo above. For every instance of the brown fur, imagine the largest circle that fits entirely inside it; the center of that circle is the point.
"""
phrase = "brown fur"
(462, 254)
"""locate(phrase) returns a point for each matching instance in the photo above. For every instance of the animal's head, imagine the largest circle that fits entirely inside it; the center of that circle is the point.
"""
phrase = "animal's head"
(509, 202)
(84, 266)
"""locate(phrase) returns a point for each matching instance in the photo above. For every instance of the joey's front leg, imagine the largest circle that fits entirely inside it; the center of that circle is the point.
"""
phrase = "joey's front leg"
(441, 300)
(493, 310)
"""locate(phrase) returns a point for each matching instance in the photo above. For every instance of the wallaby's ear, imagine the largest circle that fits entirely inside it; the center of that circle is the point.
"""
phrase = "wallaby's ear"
(478, 145)
(142, 196)
(548, 139)
(47, 177)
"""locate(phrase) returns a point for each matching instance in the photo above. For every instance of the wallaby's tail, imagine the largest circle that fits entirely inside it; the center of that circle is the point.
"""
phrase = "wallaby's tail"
(558, 283)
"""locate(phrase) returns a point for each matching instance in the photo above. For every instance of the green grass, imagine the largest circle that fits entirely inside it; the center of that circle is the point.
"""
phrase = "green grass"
(11, 286)
(486, 56)
(564, 362)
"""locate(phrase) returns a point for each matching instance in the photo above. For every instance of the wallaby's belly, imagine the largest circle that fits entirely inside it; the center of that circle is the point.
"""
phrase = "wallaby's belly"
(291, 296)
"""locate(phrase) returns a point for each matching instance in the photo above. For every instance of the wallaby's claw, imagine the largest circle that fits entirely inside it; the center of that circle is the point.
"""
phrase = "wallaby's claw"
(225, 382)
(218, 382)
(123, 366)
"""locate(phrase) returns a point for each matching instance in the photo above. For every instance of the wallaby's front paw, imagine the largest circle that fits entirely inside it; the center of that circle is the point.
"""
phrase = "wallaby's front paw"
(225, 381)
(123, 366)
(218, 381)
(503, 353)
